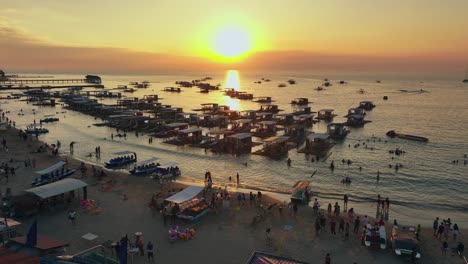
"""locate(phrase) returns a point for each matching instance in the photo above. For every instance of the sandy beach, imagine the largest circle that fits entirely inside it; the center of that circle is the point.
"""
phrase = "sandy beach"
(225, 235)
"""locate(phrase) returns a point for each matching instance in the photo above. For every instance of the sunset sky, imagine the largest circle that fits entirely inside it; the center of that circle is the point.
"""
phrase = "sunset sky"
(187, 35)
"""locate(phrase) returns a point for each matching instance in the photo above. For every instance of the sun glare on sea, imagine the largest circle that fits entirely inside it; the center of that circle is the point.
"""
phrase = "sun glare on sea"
(232, 80)
(231, 42)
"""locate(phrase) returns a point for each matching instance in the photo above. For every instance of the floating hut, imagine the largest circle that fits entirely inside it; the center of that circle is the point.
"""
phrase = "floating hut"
(238, 143)
(241, 125)
(265, 129)
(366, 105)
(269, 108)
(300, 101)
(326, 114)
(191, 135)
(356, 121)
(248, 114)
(317, 144)
(284, 119)
(263, 116)
(337, 130)
(356, 111)
(263, 99)
(274, 147)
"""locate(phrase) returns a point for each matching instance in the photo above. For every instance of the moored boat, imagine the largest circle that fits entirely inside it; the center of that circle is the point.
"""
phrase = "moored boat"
(393, 134)
(145, 167)
(122, 160)
(49, 120)
(34, 130)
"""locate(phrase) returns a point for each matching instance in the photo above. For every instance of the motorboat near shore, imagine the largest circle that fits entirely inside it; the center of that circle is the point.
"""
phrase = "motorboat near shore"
(121, 160)
(49, 120)
(145, 167)
(167, 171)
(394, 134)
(53, 173)
(34, 130)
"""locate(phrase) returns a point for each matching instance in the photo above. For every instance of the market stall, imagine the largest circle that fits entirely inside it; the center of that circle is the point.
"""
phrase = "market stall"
(188, 203)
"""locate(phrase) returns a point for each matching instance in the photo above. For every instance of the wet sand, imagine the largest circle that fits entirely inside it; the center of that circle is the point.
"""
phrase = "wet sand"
(222, 236)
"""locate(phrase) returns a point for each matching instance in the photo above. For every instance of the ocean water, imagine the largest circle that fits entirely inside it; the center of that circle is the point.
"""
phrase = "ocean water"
(428, 181)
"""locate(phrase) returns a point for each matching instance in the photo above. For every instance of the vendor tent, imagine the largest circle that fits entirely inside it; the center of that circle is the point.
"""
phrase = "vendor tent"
(52, 168)
(58, 187)
(185, 195)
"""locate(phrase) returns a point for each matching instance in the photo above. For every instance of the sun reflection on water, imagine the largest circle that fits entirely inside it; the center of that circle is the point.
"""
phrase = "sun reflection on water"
(232, 81)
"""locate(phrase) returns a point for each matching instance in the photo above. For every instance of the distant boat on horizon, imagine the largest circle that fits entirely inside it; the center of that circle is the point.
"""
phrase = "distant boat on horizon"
(466, 77)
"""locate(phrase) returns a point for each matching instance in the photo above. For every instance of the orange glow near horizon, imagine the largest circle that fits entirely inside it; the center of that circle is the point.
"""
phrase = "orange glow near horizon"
(215, 35)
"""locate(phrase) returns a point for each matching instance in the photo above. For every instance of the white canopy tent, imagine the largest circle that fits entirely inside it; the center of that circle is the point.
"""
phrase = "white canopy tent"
(185, 195)
(58, 187)
(52, 168)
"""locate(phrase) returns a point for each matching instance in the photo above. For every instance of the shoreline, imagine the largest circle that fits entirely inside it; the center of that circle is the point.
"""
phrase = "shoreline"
(397, 212)
(235, 222)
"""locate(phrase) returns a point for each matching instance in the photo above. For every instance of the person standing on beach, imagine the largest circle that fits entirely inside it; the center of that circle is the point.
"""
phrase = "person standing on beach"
(456, 231)
(341, 225)
(149, 251)
(346, 231)
(387, 204)
(418, 232)
(435, 226)
(440, 231)
(345, 203)
(72, 217)
(317, 226)
(237, 179)
(378, 203)
(329, 209)
(333, 226)
(289, 162)
(357, 223)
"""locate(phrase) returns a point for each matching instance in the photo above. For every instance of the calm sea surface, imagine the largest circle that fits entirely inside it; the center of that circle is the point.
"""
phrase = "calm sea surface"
(427, 184)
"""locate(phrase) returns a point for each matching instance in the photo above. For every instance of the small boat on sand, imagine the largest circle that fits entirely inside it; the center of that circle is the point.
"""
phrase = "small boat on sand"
(393, 134)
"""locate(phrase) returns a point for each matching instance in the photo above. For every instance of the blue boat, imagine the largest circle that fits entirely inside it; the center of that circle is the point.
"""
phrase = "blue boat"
(34, 130)
(53, 173)
(121, 160)
(49, 120)
(145, 167)
(167, 171)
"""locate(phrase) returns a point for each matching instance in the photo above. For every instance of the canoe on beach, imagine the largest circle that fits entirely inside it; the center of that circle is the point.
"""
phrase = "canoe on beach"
(393, 134)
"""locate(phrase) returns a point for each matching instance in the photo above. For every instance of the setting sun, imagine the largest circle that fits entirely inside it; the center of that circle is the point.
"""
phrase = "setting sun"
(231, 42)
